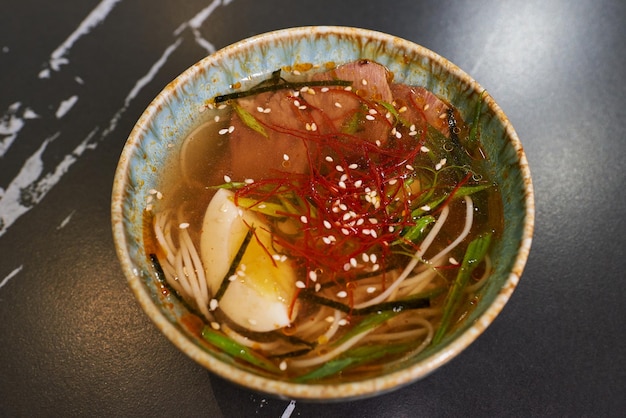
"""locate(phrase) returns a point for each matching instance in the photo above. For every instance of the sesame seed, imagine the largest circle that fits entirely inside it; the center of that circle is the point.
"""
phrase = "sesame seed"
(342, 184)
(326, 240)
(425, 208)
(149, 208)
(343, 322)
(215, 325)
(372, 111)
(285, 157)
(300, 284)
(426, 106)
(453, 260)
(373, 221)
(260, 109)
(424, 149)
(232, 278)
(440, 164)
(283, 258)
(358, 183)
(302, 107)
(364, 82)
(296, 103)
(375, 267)
(313, 126)
(324, 89)
(353, 262)
(342, 294)
(365, 257)
(149, 199)
(184, 225)
(378, 143)
(213, 304)
(409, 167)
(216, 118)
(227, 179)
(370, 117)
(353, 166)
(303, 219)
(318, 286)
(388, 115)
(152, 191)
(276, 257)
(374, 234)
(313, 276)
(304, 89)
(360, 221)
(267, 110)
(159, 195)
(329, 158)
(398, 134)
(339, 168)
(402, 109)
(443, 116)
(252, 321)
(343, 177)
(223, 131)
(327, 224)
(370, 289)
(373, 258)
(283, 365)
(345, 231)
(343, 206)
(337, 104)
(349, 88)
(346, 267)
(391, 228)
(248, 181)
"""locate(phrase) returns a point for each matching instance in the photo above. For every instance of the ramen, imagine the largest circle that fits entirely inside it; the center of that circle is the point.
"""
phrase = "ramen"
(327, 222)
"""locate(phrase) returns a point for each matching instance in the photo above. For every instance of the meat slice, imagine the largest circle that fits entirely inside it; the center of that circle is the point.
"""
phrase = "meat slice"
(423, 105)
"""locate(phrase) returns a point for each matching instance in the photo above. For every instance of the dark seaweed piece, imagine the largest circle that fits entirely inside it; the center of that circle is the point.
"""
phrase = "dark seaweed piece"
(275, 83)
(233, 266)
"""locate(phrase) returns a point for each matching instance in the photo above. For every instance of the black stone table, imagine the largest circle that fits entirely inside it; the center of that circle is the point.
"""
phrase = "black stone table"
(76, 75)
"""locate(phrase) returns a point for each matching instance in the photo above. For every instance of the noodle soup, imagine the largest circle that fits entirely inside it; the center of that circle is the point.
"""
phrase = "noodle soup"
(326, 223)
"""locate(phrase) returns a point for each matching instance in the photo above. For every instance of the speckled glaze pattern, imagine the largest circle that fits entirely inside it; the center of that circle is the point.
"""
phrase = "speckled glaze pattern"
(176, 111)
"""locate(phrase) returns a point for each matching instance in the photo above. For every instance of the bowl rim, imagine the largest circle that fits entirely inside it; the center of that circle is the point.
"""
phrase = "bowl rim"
(339, 391)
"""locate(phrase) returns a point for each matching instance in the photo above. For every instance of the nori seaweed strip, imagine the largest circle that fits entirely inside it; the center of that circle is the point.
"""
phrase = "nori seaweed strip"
(280, 86)
(160, 276)
(233, 266)
(397, 305)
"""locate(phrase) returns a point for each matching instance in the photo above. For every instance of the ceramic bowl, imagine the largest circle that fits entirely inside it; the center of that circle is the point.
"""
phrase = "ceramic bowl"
(177, 110)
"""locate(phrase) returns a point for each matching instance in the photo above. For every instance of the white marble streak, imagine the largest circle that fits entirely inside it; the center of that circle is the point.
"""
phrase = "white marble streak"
(95, 17)
(65, 106)
(10, 276)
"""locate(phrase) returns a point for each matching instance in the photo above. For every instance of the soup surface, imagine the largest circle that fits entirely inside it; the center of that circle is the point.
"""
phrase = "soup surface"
(326, 223)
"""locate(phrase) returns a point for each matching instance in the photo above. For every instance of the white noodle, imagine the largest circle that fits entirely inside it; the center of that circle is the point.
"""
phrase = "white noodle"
(307, 362)
(416, 258)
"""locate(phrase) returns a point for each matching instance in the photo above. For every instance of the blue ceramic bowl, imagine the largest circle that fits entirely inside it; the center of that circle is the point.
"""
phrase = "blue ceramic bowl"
(176, 111)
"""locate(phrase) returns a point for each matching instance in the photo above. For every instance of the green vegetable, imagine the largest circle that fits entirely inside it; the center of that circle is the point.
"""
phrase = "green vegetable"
(249, 120)
(475, 253)
(416, 232)
(411, 302)
(352, 358)
(237, 350)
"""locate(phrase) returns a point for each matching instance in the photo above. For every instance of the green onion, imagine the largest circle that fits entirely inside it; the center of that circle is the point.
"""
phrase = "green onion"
(416, 232)
(473, 133)
(411, 302)
(249, 120)
(475, 253)
(352, 358)
(237, 350)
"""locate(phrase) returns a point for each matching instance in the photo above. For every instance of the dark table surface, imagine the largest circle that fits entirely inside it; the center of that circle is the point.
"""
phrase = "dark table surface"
(76, 75)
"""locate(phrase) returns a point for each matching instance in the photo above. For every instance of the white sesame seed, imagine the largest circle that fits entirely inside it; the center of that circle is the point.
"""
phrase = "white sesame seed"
(231, 129)
(339, 168)
(364, 82)
(342, 294)
(358, 183)
(443, 116)
(402, 109)
(349, 88)
(346, 267)
(159, 195)
(276, 257)
(345, 231)
(398, 134)
(375, 267)
(374, 234)
(303, 219)
(213, 304)
(260, 109)
(215, 325)
(373, 258)
(232, 278)
(327, 224)
(426, 106)
(424, 148)
(453, 260)
(366, 231)
(360, 221)
(184, 225)
(343, 206)
(326, 240)
(313, 276)
(329, 158)
(337, 104)
(283, 258)
(343, 177)
(285, 157)
(324, 89)
(223, 131)
(267, 110)
(318, 286)
(370, 289)
(342, 184)
(343, 322)
(409, 167)
(313, 127)
(149, 199)
(346, 216)
(388, 115)
(373, 221)
(391, 228)
(296, 72)
(149, 208)
(372, 111)
(300, 284)
(252, 321)
(283, 365)
(353, 166)
(370, 117)
(302, 107)
(296, 103)
(440, 164)
(330, 319)
(227, 179)
(365, 257)
(353, 262)
(378, 143)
